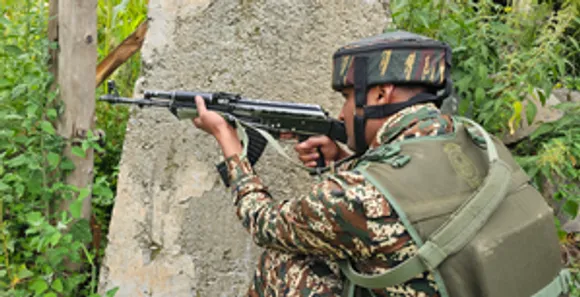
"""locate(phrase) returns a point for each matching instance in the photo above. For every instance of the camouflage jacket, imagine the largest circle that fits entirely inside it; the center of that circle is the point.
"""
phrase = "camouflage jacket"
(343, 216)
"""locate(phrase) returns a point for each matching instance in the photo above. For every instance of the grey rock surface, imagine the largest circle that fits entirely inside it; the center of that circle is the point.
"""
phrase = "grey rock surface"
(174, 231)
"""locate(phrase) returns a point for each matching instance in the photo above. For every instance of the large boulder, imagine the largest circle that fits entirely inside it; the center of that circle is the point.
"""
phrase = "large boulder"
(174, 231)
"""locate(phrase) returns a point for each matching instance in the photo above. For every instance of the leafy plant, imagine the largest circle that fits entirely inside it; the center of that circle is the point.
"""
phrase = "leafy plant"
(500, 55)
(551, 156)
(40, 240)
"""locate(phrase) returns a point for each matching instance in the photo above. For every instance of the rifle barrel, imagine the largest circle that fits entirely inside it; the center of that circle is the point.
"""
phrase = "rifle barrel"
(143, 102)
(178, 95)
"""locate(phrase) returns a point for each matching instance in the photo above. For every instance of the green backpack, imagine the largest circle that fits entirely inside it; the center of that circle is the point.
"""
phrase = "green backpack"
(481, 228)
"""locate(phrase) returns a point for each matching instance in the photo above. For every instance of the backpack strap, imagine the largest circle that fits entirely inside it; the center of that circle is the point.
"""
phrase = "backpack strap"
(453, 235)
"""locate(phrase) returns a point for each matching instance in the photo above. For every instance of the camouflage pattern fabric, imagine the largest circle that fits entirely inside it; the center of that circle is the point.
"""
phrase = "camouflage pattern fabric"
(396, 57)
(344, 216)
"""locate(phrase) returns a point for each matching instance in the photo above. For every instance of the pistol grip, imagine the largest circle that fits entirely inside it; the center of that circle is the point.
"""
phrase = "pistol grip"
(320, 162)
(257, 144)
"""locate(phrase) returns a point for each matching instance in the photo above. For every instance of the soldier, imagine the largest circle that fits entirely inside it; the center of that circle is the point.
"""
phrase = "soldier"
(379, 224)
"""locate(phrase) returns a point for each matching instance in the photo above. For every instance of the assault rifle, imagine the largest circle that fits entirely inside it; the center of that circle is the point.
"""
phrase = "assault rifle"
(274, 117)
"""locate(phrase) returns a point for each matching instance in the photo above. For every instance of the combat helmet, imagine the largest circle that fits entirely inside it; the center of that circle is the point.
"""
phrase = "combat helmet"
(400, 58)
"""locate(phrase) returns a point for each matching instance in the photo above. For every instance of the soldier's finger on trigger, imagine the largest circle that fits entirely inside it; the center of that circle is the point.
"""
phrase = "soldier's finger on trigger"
(303, 148)
(304, 158)
(318, 141)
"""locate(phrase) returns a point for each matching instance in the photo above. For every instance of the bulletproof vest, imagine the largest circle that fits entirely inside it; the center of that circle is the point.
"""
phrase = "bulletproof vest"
(427, 180)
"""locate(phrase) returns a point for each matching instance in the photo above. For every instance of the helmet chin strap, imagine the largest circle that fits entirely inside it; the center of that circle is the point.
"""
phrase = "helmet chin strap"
(363, 112)
(360, 95)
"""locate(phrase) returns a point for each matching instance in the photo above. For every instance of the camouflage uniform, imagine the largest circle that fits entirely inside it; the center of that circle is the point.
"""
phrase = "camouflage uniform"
(344, 216)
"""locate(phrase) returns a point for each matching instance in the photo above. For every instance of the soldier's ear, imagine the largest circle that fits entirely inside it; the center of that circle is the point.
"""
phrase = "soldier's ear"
(386, 92)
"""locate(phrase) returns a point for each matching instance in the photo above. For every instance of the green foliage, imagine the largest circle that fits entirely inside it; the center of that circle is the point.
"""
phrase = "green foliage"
(572, 82)
(499, 54)
(551, 156)
(39, 241)
(36, 244)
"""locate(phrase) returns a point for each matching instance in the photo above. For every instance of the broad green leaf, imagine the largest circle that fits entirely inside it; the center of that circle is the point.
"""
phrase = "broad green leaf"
(4, 83)
(112, 292)
(53, 45)
(47, 127)
(20, 139)
(67, 164)
(84, 193)
(102, 191)
(542, 97)
(4, 187)
(482, 70)
(479, 95)
(86, 144)
(81, 231)
(54, 238)
(531, 110)
(76, 208)
(514, 120)
(13, 50)
(31, 111)
(57, 285)
(39, 286)
(571, 208)
(50, 294)
(52, 114)
(543, 129)
(18, 161)
(4, 21)
(53, 159)
(34, 184)
(34, 218)
(78, 151)
(23, 272)
(574, 42)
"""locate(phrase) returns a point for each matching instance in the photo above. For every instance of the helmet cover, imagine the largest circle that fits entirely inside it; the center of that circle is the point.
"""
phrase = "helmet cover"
(399, 58)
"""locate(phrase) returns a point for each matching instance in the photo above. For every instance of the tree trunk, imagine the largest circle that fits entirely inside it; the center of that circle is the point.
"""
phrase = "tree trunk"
(74, 26)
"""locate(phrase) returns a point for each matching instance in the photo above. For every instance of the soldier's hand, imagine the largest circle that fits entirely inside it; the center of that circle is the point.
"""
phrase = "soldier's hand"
(214, 124)
(308, 150)
(210, 121)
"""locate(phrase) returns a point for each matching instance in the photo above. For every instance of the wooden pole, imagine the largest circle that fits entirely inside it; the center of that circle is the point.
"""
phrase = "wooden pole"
(53, 36)
(76, 61)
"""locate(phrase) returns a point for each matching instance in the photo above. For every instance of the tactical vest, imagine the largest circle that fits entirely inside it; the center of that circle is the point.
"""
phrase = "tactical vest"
(481, 228)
